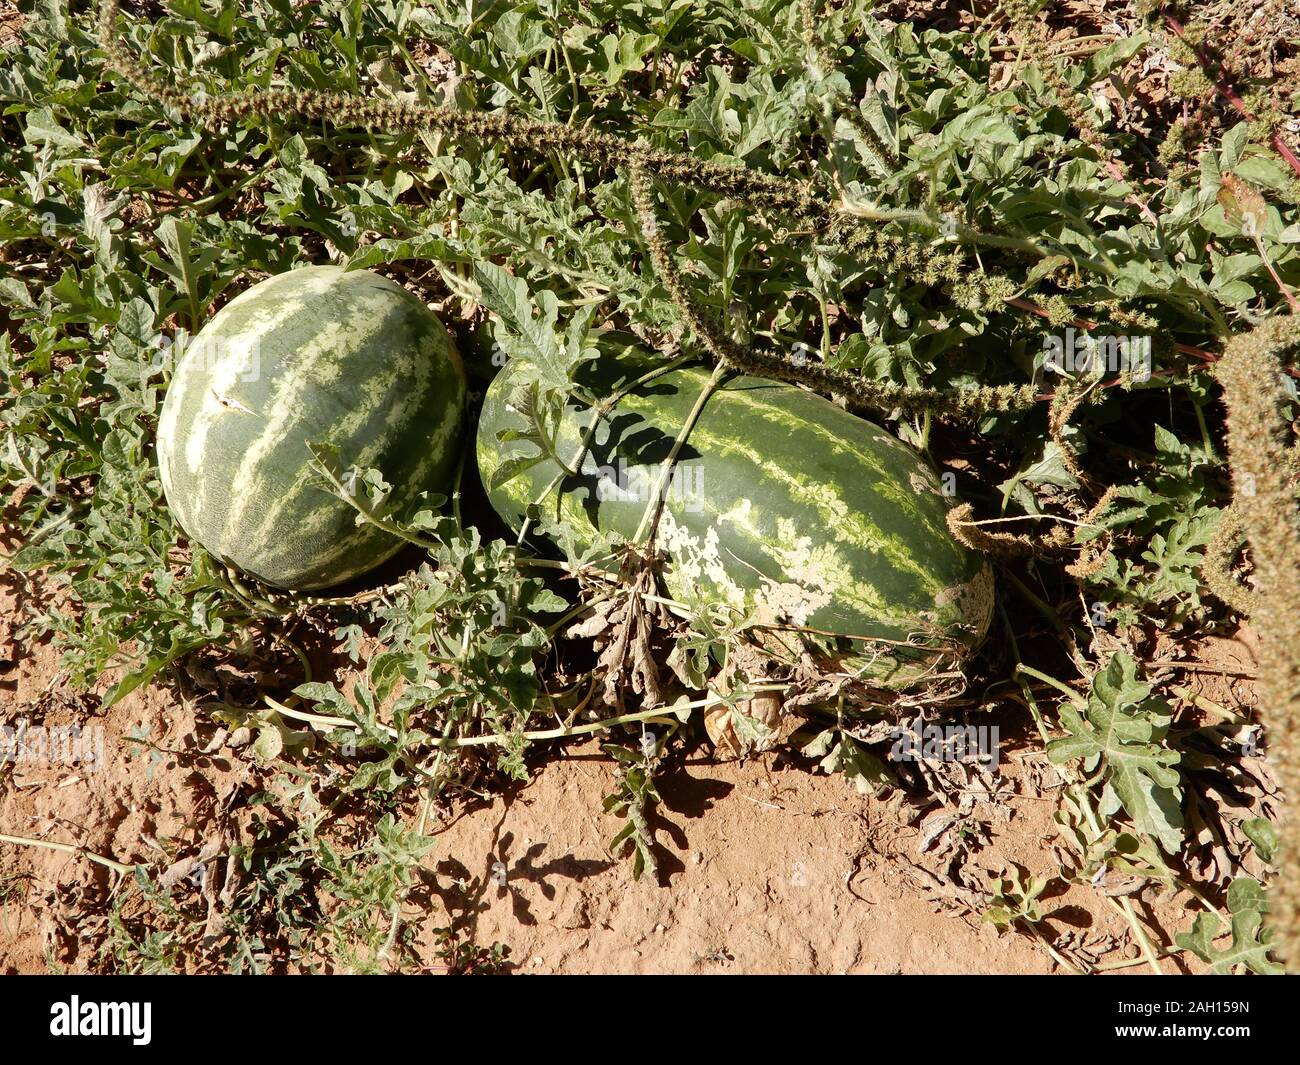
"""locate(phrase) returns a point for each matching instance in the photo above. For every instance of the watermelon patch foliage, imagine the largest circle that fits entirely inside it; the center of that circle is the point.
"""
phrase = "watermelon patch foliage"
(979, 241)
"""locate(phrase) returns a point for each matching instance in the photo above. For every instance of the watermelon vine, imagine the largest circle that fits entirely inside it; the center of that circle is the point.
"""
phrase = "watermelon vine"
(1047, 253)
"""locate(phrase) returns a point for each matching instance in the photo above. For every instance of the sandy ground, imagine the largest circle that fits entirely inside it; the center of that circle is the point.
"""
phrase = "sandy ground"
(766, 872)
(765, 865)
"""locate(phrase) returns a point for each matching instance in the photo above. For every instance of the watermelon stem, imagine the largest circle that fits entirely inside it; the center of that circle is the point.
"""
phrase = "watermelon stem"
(368, 514)
(1124, 907)
(649, 526)
(121, 868)
(660, 714)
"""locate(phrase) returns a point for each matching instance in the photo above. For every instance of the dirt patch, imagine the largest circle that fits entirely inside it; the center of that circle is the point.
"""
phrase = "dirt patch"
(125, 784)
(765, 871)
(11, 25)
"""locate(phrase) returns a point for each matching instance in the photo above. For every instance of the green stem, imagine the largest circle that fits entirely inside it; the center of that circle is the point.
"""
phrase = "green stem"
(1205, 704)
(650, 519)
(1073, 695)
(663, 712)
(1056, 955)
(1085, 804)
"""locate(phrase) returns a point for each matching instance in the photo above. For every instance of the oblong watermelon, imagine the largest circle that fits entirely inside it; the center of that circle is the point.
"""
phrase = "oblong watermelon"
(317, 355)
(783, 506)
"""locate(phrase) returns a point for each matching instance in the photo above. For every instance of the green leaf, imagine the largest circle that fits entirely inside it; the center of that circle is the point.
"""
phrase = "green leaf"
(14, 293)
(622, 55)
(512, 468)
(268, 745)
(43, 128)
(145, 673)
(1261, 833)
(191, 271)
(1117, 737)
(858, 765)
(1114, 56)
(1251, 941)
(530, 329)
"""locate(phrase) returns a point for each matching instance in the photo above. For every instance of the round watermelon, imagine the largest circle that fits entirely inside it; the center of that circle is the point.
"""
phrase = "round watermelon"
(315, 356)
(783, 509)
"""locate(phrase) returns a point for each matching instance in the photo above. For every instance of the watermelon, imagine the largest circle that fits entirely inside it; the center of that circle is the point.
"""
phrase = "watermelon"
(786, 511)
(315, 356)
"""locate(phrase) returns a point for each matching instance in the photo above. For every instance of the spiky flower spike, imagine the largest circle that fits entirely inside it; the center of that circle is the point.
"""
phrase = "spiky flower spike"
(876, 395)
(1264, 495)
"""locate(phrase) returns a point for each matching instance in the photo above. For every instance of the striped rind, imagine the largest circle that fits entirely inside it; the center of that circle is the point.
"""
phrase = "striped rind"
(317, 355)
(784, 506)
